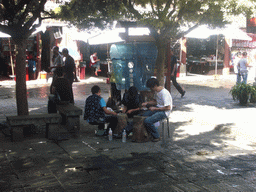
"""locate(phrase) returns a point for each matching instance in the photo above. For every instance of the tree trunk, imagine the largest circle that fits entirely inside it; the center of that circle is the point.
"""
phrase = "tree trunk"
(160, 62)
(21, 89)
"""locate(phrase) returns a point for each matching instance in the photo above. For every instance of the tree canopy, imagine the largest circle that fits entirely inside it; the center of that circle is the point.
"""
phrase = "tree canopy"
(19, 19)
(88, 14)
(167, 20)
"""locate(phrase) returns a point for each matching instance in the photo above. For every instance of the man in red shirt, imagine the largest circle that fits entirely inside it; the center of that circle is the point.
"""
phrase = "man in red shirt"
(94, 62)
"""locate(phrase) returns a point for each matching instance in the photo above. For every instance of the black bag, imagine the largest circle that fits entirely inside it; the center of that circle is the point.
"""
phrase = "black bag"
(111, 103)
(52, 103)
(51, 106)
(129, 127)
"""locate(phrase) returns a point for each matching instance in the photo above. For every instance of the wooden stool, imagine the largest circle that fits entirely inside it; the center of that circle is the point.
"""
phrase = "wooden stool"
(122, 119)
(140, 133)
(162, 122)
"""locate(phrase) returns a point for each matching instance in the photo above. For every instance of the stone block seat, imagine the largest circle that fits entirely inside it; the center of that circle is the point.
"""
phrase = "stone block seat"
(70, 117)
(39, 121)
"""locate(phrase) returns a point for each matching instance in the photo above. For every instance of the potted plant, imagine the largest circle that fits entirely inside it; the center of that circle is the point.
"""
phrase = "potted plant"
(242, 91)
(253, 95)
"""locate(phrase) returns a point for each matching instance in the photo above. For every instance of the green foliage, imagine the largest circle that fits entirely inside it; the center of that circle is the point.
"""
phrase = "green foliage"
(17, 18)
(90, 13)
(167, 20)
(253, 95)
(242, 91)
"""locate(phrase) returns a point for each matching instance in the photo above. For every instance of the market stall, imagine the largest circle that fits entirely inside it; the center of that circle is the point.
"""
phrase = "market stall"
(203, 32)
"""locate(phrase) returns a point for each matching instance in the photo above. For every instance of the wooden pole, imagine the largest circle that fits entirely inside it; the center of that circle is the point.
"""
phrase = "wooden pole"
(216, 63)
(11, 59)
(168, 63)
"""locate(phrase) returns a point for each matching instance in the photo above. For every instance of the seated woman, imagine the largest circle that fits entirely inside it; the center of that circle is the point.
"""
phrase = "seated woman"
(132, 101)
(61, 92)
(61, 87)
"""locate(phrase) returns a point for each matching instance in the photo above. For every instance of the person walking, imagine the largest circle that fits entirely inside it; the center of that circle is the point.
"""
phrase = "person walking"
(242, 67)
(94, 63)
(174, 73)
(69, 69)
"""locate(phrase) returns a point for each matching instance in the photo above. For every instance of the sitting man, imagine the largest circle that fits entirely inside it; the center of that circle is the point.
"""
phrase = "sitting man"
(159, 108)
(61, 90)
(95, 111)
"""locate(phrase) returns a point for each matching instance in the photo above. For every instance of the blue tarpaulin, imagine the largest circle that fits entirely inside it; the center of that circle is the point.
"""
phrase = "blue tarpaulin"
(133, 64)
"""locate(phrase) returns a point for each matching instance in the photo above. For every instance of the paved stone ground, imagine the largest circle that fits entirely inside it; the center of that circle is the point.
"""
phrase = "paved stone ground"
(212, 146)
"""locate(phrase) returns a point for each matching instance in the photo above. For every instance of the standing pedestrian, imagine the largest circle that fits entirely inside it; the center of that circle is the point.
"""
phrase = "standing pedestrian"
(174, 73)
(242, 67)
(31, 66)
(57, 61)
(3, 65)
(95, 63)
(69, 69)
(236, 60)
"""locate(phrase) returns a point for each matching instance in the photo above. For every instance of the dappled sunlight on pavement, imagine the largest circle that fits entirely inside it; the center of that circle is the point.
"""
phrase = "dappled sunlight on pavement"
(212, 146)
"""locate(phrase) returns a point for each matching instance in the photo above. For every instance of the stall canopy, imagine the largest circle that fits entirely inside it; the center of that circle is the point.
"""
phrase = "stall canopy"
(39, 29)
(229, 31)
(4, 35)
(107, 37)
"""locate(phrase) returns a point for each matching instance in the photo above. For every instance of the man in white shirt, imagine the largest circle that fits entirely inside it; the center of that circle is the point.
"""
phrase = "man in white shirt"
(57, 61)
(236, 60)
(242, 67)
(159, 108)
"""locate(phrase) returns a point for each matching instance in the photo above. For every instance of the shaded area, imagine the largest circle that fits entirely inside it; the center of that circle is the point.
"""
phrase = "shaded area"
(204, 154)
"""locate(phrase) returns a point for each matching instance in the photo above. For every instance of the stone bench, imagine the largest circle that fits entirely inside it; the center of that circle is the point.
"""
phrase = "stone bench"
(70, 117)
(18, 123)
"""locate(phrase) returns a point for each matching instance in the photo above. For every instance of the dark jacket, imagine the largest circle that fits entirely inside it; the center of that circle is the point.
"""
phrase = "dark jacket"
(69, 68)
(93, 112)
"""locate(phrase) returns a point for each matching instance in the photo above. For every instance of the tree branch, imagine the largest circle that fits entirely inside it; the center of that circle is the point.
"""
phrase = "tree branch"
(167, 6)
(173, 10)
(190, 29)
(36, 14)
(152, 6)
(130, 7)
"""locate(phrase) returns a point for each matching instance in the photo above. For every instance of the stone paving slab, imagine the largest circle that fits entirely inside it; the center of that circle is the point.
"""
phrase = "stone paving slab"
(212, 147)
